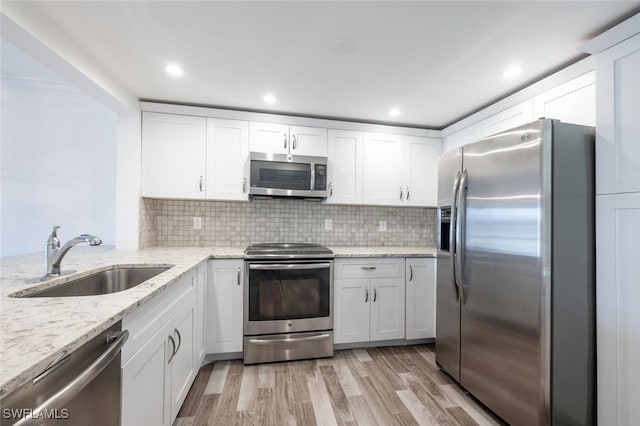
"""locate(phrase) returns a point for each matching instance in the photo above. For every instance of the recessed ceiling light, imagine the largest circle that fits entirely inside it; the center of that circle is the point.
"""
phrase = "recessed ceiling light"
(269, 98)
(394, 112)
(512, 71)
(174, 70)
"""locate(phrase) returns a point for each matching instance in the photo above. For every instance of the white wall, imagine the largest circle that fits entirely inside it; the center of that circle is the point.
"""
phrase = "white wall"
(58, 164)
(129, 160)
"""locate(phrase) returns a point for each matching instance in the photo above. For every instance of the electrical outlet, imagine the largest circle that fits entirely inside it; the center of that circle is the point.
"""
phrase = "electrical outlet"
(328, 224)
(197, 222)
(382, 226)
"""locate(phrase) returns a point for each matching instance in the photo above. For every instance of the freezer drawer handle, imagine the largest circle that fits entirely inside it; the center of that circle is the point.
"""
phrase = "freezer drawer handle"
(290, 340)
(64, 395)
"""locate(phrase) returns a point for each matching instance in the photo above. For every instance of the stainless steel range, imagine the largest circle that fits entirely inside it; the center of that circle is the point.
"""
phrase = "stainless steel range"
(288, 302)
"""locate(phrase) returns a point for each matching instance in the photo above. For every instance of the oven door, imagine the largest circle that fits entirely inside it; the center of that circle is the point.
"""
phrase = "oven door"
(286, 297)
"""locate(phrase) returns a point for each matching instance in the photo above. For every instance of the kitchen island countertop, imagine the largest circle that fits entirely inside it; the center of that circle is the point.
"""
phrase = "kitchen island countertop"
(37, 332)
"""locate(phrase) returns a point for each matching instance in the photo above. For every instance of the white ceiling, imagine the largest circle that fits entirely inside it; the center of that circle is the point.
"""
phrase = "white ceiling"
(435, 61)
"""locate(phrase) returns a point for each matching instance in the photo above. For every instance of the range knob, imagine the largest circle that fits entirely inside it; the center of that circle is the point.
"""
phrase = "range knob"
(290, 324)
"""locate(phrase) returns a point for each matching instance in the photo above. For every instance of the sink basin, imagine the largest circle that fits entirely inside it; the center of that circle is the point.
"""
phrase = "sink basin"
(118, 278)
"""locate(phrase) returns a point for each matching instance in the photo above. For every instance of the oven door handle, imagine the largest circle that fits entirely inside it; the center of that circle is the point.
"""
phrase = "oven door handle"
(290, 340)
(279, 266)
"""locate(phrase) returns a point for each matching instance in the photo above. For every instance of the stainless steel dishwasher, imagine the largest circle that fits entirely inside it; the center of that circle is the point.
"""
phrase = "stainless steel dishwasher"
(82, 388)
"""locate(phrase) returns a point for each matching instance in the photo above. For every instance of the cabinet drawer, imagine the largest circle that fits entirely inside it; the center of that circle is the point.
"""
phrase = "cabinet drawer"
(369, 268)
(145, 321)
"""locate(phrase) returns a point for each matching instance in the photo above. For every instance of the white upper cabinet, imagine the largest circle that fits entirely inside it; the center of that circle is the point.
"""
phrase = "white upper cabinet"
(400, 170)
(173, 156)
(618, 118)
(344, 167)
(382, 165)
(284, 139)
(514, 116)
(571, 102)
(421, 170)
(227, 159)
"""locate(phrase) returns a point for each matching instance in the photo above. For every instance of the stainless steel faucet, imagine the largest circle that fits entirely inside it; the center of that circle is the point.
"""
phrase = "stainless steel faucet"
(54, 254)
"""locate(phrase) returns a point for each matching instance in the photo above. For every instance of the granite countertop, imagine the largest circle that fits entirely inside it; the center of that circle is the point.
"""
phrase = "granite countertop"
(37, 332)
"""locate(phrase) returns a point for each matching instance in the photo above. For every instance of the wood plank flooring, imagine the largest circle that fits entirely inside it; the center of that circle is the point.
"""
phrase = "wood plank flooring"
(376, 386)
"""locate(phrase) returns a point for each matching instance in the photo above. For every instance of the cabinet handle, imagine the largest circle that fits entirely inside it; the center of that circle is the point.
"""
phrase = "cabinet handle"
(285, 140)
(375, 294)
(401, 193)
(408, 193)
(244, 185)
(330, 189)
(368, 268)
(293, 141)
(175, 330)
(200, 184)
(238, 275)
(410, 273)
(366, 295)
(173, 351)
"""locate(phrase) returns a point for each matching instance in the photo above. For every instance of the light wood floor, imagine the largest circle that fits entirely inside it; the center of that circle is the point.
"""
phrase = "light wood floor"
(378, 386)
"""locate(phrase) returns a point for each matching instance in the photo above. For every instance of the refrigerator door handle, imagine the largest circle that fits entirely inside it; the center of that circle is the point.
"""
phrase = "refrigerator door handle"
(460, 225)
(452, 235)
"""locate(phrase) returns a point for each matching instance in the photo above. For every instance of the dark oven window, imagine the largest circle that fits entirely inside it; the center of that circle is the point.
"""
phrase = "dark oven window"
(284, 294)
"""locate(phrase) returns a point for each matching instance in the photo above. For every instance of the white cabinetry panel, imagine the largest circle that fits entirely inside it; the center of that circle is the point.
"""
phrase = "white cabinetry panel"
(421, 171)
(227, 159)
(571, 102)
(269, 137)
(618, 316)
(308, 141)
(351, 310)
(344, 167)
(224, 306)
(387, 308)
(618, 117)
(421, 298)
(509, 118)
(383, 174)
(173, 154)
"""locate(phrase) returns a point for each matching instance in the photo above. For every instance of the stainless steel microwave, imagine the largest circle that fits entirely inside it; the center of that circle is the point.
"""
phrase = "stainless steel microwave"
(283, 175)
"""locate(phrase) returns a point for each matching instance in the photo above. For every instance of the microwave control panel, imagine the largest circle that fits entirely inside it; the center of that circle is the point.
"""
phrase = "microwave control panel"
(321, 177)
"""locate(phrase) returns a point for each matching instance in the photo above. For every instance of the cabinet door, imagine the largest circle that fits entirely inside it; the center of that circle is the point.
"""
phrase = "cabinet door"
(508, 118)
(571, 102)
(146, 384)
(269, 137)
(227, 159)
(173, 156)
(617, 314)
(421, 298)
(618, 113)
(224, 306)
(344, 168)
(351, 310)
(421, 171)
(182, 365)
(387, 308)
(308, 141)
(201, 303)
(383, 155)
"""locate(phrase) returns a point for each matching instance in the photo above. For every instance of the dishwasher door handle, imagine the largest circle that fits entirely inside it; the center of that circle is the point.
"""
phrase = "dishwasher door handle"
(71, 389)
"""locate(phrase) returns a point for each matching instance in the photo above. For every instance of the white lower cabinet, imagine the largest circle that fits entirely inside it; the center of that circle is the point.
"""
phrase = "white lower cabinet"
(201, 305)
(369, 303)
(420, 276)
(159, 361)
(224, 306)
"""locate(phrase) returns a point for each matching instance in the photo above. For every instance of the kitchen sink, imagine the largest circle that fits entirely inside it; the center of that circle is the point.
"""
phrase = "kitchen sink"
(113, 280)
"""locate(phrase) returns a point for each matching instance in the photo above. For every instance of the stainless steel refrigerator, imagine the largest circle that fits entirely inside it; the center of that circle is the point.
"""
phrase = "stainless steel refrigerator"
(515, 267)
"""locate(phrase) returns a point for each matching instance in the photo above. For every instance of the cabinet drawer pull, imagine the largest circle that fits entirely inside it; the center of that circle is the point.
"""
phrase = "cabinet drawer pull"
(410, 273)
(375, 294)
(285, 140)
(293, 141)
(330, 189)
(244, 185)
(238, 275)
(175, 330)
(369, 268)
(401, 193)
(366, 295)
(408, 193)
(173, 351)
(200, 184)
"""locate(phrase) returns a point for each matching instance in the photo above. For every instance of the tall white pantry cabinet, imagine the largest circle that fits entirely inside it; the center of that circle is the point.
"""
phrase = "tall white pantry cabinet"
(618, 222)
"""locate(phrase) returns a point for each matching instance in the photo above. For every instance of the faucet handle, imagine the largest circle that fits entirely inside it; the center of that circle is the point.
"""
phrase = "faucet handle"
(53, 240)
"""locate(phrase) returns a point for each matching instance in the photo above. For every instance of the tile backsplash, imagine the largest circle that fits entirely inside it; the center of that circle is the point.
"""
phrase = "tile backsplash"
(171, 223)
